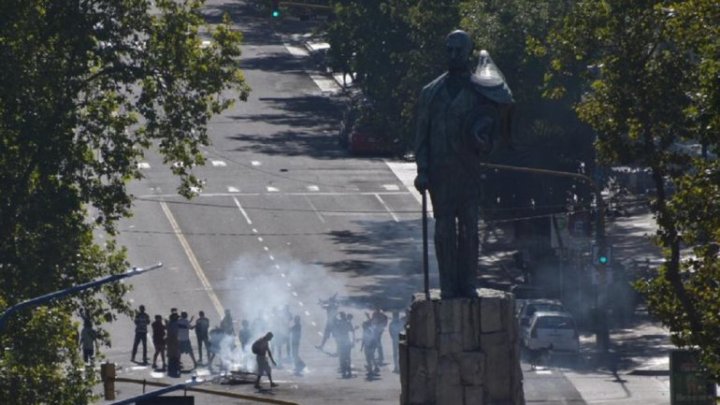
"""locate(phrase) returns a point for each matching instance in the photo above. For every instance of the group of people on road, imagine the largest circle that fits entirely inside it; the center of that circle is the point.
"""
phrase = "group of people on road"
(171, 339)
(340, 326)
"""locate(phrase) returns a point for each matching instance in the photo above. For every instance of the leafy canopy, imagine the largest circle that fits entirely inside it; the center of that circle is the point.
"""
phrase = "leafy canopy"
(650, 70)
(87, 87)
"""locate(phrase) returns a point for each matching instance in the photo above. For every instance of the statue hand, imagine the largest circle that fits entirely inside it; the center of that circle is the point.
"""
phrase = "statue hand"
(421, 182)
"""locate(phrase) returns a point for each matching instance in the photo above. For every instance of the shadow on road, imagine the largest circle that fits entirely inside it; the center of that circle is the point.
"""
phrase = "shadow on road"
(388, 254)
(312, 122)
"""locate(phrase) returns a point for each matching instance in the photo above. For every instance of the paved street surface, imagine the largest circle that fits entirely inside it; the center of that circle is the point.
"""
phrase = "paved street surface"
(288, 218)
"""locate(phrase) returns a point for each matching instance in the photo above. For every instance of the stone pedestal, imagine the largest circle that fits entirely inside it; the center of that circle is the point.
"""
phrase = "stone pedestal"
(462, 351)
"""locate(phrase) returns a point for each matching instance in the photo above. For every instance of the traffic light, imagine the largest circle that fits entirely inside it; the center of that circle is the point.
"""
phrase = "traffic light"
(275, 9)
(602, 254)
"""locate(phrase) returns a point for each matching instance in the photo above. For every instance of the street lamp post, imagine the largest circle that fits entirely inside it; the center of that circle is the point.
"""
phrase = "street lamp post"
(68, 291)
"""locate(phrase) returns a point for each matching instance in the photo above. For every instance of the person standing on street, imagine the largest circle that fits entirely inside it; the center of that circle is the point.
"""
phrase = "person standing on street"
(396, 327)
(88, 340)
(142, 320)
(261, 348)
(343, 330)
(227, 324)
(331, 308)
(158, 337)
(368, 346)
(245, 334)
(184, 326)
(379, 321)
(173, 346)
(202, 327)
(295, 335)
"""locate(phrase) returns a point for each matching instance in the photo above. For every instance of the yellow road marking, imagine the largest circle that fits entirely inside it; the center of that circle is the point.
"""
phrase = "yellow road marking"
(193, 260)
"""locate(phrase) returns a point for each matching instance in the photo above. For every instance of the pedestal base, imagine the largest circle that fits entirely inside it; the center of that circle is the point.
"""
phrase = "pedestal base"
(462, 351)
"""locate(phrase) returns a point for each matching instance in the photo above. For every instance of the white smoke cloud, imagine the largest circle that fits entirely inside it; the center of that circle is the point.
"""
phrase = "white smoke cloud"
(282, 282)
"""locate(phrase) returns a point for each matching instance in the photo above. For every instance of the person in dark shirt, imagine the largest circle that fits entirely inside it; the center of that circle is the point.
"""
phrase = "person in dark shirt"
(158, 337)
(142, 320)
(202, 326)
(261, 349)
(88, 341)
(173, 346)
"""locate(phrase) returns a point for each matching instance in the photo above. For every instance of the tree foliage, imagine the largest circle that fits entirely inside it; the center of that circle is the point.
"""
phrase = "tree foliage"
(651, 70)
(87, 87)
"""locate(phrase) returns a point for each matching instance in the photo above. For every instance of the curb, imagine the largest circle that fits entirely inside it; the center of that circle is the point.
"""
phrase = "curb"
(650, 373)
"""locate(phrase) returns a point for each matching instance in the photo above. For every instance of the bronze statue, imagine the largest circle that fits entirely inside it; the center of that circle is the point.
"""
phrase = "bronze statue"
(459, 119)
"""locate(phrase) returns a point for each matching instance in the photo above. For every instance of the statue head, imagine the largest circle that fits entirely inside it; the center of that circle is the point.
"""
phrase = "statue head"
(459, 46)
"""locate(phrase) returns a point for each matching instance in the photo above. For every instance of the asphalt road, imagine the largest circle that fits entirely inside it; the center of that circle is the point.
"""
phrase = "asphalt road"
(285, 218)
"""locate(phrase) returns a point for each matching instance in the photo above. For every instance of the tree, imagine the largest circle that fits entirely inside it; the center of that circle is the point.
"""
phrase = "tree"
(650, 69)
(87, 87)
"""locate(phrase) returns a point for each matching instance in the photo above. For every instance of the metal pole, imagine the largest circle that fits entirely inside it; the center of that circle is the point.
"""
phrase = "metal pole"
(157, 393)
(62, 293)
(426, 270)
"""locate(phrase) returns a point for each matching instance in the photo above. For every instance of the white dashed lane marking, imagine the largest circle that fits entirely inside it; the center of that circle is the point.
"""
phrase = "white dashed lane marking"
(266, 248)
(143, 165)
(232, 189)
(272, 257)
(255, 163)
(260, 238)
(391, 187)
(272, 189)
(313, 188)
(307, 313)
(218, 163)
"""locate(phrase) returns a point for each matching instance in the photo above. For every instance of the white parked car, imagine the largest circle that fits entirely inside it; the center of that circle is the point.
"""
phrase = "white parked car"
(551, 329)
(529, 307)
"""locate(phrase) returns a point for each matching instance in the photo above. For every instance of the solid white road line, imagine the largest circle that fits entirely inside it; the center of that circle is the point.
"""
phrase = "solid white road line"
(193, 260)
(328, 193)
(315, 210)
(242, 210)
(387, 208)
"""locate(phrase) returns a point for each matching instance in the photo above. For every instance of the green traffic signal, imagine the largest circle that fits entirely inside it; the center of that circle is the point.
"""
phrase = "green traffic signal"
(276, 13)
(603, 259)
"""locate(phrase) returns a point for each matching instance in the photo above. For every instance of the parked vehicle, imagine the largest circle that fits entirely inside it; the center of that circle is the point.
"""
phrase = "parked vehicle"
(531, 306)
(552, 329)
